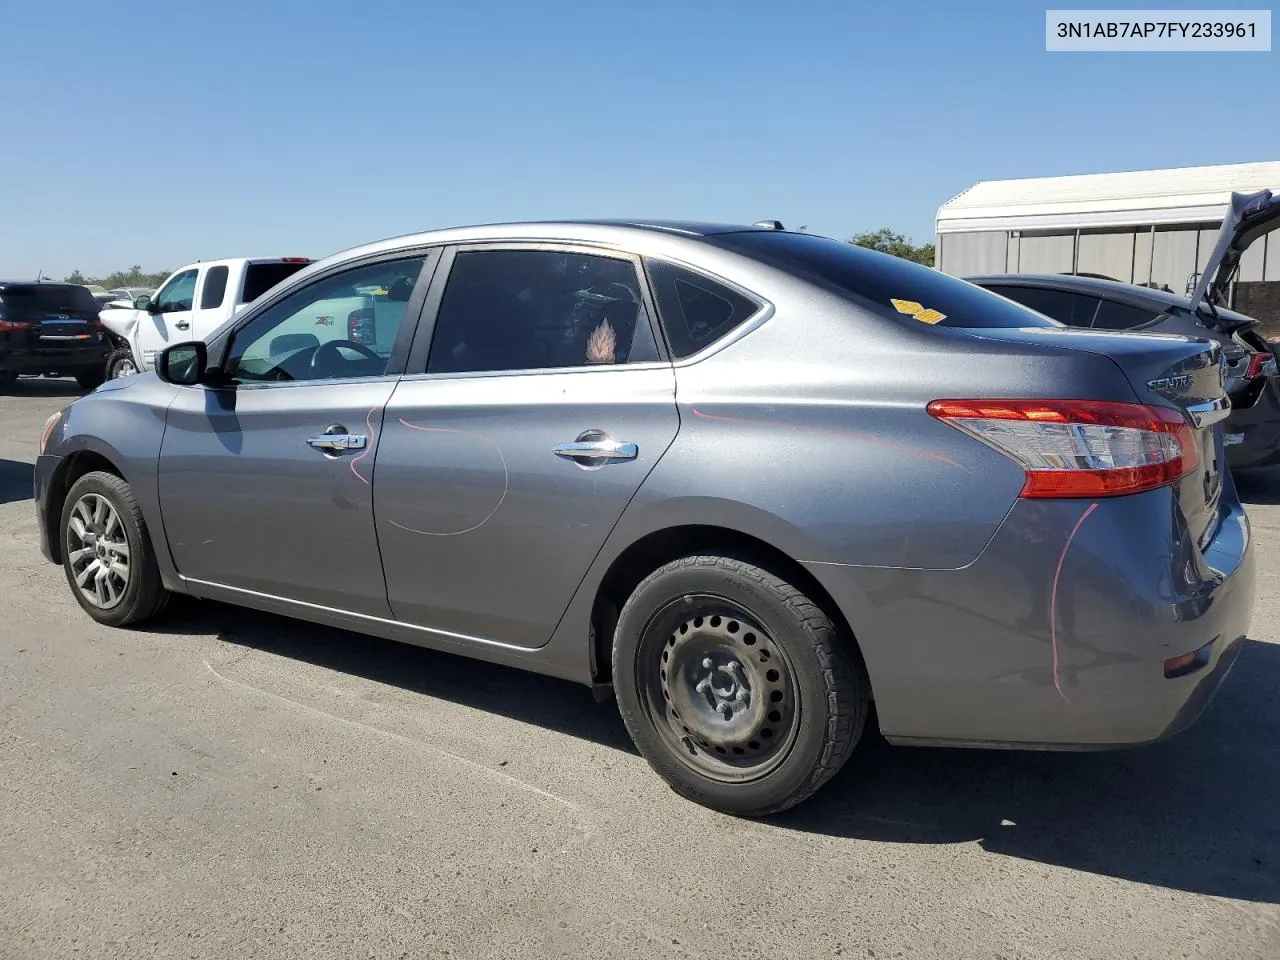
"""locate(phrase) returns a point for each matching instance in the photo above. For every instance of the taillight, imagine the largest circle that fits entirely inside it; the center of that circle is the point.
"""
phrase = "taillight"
(360, 326)
(1080, 448)
(9, 326)
(1258, 365)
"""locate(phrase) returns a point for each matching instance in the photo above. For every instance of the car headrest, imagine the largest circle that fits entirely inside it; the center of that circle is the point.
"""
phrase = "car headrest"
(400, 290)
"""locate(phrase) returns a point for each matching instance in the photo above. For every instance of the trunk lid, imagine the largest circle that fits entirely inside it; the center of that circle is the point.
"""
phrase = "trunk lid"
(55, 315)
(1167, 370)
(1248, 217)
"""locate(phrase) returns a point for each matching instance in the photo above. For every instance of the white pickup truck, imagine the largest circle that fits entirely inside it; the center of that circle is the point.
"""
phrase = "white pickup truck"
(192, 303)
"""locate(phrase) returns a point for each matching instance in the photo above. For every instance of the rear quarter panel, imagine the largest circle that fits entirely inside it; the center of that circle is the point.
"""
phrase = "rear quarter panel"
(813, 431)
(811, 434)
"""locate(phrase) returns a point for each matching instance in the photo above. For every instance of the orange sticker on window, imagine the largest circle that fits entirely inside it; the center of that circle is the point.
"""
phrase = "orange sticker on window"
(921, 313)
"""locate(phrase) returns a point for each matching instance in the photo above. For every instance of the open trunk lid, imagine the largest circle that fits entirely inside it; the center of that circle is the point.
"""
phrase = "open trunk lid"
(1248, 217)
(1185, 373)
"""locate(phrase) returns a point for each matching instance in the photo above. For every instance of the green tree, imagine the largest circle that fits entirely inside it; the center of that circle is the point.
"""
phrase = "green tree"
(887, 241)
(133, 277)
(77, 277)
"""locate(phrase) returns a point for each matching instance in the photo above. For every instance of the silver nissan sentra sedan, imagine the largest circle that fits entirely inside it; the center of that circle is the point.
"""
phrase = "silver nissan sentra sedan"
(751, 480)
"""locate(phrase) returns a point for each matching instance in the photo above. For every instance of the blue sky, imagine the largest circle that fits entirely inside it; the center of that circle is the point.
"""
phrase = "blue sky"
(159, 133)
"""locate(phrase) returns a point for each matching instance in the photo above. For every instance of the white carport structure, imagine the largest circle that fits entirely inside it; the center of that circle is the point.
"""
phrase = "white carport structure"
(1152, 227)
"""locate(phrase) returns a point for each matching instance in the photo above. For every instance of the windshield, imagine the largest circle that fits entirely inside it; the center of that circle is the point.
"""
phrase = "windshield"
(890, 286)
(49, 298)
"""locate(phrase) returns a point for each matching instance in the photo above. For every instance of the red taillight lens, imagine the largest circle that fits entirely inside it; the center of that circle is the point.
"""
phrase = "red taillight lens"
(9, 326)
(1080, 448)
(360, 326)
(1258, 362)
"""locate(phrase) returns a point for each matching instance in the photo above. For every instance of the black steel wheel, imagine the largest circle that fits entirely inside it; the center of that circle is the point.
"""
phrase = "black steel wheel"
(735, 686)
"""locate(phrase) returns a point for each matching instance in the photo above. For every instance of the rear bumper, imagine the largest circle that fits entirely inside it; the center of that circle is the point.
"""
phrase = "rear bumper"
(1056, 637)
(61, 360)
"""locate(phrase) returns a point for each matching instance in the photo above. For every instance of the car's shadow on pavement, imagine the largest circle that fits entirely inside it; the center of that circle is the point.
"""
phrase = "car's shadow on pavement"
(543, 701)
(1196, 813)
(16, 480)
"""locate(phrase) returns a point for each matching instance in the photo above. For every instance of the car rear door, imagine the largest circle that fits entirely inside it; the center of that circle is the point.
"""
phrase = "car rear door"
(535, 404)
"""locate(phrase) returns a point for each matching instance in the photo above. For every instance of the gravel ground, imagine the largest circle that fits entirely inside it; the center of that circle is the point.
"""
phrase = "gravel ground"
(233, 784)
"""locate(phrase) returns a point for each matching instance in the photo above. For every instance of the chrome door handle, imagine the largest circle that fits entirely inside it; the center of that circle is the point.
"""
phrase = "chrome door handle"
(183, 325)
(337, 442)
(604, 449)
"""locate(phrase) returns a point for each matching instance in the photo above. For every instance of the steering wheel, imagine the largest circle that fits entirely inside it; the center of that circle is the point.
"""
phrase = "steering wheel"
(326, 356)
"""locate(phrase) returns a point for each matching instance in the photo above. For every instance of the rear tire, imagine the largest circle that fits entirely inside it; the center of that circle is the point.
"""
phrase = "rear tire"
(120, 363)
(736, 687)
(91, 378)
(107, 554)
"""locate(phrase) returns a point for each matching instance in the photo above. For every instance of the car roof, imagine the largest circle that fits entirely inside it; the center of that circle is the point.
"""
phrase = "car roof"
(1130, 293)
(621, 233)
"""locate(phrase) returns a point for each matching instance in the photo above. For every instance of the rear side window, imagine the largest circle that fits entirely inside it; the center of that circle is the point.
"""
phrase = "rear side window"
(695, 310)
(875, 280)
(46, 298)
(261, 277)
(1121, 316)
(215, 288)
(506, 310)
(1073, 309)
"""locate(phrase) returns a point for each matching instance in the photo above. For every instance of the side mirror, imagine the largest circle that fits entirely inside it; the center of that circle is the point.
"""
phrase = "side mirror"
(183, 363)
(142, 303)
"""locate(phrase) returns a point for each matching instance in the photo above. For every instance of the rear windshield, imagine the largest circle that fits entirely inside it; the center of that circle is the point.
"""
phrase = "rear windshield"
(890, 286)
(49, 298)
(261, 277)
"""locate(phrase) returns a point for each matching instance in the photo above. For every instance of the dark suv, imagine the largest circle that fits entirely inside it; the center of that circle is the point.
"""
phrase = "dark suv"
(50, 329)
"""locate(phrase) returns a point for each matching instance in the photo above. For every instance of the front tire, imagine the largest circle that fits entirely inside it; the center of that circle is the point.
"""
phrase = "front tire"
(107, 554)
(120, 363)
(736, 687)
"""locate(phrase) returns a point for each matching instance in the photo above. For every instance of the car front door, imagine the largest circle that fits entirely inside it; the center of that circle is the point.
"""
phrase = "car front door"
(169, 318)
(266, 483)
(509, 453)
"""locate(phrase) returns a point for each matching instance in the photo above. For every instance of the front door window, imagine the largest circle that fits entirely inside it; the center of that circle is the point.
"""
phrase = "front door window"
(339, 327)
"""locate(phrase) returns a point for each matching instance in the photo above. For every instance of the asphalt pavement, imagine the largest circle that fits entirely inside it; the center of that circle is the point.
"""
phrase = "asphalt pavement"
(231, 784)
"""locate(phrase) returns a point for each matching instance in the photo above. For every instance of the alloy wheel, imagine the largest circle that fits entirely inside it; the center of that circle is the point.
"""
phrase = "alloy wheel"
(98, 551)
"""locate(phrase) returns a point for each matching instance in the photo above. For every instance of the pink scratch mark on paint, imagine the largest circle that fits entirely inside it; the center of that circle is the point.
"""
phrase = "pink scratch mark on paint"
(506, 482)
(1053, 598)
(866, 438)
(368, 425)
